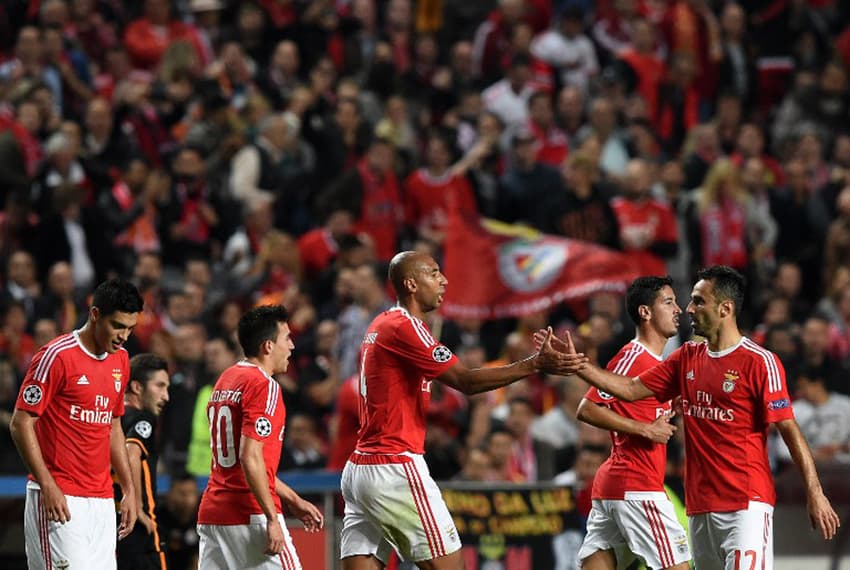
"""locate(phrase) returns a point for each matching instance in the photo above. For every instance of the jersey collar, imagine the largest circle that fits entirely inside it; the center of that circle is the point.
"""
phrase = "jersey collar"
(76, 334)
(723, 353)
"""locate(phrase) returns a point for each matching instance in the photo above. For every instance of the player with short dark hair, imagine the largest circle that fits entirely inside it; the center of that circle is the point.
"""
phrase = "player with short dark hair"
(240, 519)
(146, 395)
(732, 390)
(391, 501)
(67, 428)
(631, 512)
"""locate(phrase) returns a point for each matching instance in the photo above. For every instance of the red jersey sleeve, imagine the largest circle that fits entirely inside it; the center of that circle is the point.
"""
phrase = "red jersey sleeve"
(415, 344)
(773, 389)
(45, 375)
(258, 403)
(664, 379)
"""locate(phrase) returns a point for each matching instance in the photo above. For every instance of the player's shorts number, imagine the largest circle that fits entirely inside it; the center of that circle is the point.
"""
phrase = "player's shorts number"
(223, 442)
(745, 560)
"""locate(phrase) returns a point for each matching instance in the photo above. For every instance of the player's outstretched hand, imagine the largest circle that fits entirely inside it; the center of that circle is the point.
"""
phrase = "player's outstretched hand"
(275, 535)
(129, 513)
(822, 515)
(55, 504)
(556, 356)
(308, 514)
(661, 430)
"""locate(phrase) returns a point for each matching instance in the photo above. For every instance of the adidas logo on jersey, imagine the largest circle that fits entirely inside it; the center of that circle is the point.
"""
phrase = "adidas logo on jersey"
(83, 380)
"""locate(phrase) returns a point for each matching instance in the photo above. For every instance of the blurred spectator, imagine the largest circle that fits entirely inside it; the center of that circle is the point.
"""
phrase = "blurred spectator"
(477, 467)
(824, 418)
(318, 247)
(613, 155)
(177, 517)
(432, 192)
(558, 427)
(508, 98)
(815, 341)
(303, 448)
(344, 424)
(60, 302)
(147, 37)
(568, 50)
(528, 184)
(647, 227)
(219, 354)
(552, 144)
(500, 446)
(369, 299)
(531, 459)
(371, 192)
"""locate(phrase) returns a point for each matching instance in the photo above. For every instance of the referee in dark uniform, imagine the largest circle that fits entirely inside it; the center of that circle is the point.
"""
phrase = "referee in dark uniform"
(146, 395)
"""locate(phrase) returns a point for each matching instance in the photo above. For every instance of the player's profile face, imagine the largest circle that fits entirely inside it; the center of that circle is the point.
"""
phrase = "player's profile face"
(283, 347)
(113, 330)
(431, 284)
(666, 311)
(155, 394)
(703, 308)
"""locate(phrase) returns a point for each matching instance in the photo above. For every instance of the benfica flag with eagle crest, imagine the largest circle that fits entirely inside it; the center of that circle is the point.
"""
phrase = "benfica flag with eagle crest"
(498, 270)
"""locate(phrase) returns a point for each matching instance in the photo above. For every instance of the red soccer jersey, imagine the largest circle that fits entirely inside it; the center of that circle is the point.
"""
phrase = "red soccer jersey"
(428, 199)
(729, 399)
(636, 463)
(648, 218)
(245, 402)
(347, 424)
(398, 361)
(317, 249)
(76, 394)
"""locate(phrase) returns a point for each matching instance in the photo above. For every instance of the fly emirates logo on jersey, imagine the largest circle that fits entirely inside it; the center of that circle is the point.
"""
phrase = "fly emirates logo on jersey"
(100, 414)
(703, 409)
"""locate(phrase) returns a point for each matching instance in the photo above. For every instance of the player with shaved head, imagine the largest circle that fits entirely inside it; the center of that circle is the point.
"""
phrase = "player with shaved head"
(391, 501)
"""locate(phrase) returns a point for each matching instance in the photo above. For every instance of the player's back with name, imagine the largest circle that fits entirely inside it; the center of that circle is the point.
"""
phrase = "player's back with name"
(249, 404)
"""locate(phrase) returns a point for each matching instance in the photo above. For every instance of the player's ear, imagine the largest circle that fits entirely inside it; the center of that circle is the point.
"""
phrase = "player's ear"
(410, 284)
(135, 387)
(644, 313)
(94, 314)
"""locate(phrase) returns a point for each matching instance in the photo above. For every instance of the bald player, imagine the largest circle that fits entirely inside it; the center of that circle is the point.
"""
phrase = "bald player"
(391, 501)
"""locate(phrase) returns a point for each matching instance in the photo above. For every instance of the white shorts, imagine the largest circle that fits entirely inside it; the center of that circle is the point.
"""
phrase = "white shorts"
(244, 546)
(644, 523)
(740, 540)
(391, 501)
(86, 541)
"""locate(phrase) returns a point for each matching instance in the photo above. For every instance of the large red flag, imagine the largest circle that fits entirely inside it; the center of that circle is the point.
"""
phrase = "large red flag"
(499, 270)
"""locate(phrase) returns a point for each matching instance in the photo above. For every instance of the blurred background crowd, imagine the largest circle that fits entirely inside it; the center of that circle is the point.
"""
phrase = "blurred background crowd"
(225, 153)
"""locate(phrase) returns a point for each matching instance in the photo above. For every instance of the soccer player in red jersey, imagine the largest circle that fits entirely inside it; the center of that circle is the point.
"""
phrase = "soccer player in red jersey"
(391, 501)
(67, 427)
(732, 389)
(239, 521)
(631, 511)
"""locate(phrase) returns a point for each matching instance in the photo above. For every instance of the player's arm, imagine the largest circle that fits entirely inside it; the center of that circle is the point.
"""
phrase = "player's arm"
(305, 511)
(254, 468)
(121, 465)
(135, 455)
(22, 428)
(547, 359)
(623, 387)
(659, 431)
(821, 513)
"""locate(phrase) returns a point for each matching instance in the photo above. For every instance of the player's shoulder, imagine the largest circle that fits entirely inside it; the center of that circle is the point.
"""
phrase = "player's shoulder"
(57, 350)
(754, 352)
(138, 423)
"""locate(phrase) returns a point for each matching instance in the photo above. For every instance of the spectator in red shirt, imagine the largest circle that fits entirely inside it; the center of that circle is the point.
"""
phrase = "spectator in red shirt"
(319, 246)
(552, 143)
(431, 192)
(148, 37)
(642, 57)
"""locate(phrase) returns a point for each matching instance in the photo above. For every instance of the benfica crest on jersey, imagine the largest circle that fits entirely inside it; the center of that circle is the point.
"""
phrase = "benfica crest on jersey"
(117, 376)
(730, 377)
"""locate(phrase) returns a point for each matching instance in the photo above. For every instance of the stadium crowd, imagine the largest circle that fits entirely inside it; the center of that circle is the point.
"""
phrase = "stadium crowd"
(225, 154)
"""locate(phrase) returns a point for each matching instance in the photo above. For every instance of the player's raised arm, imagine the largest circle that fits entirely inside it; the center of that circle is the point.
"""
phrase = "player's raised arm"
(597, 415)
(254, 467)
(623, 387)
(22, 428)
(821, 513)
(121, 464)
(547, 359)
